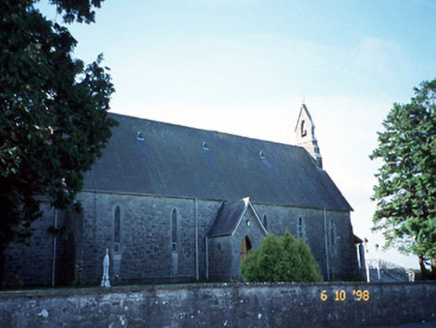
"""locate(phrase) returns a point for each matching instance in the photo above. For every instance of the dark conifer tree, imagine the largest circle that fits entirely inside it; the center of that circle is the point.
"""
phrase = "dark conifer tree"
(406, 189)
(53, 112)
(280, 259)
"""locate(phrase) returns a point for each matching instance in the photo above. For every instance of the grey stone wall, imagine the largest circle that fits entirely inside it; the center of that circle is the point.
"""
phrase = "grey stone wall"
(220, 252)
(222, 305)
(33, 261)
(146, 252)
(146, 246)
(224, 252)
(331, 242)
(29, 263)
(250, 227)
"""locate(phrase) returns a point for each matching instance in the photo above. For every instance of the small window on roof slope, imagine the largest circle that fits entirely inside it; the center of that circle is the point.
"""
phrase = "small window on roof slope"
(139, 136)
(261, 154)
(205, 146)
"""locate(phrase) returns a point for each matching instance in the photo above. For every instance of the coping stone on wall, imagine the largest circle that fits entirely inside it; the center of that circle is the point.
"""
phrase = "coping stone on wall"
(229, 305)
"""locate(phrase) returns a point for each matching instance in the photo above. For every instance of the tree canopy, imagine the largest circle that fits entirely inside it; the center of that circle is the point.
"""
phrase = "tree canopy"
(53, 111)
(406, 189)
(280, 259)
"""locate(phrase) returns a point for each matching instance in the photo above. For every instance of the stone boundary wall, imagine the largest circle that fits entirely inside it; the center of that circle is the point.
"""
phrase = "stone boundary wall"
(222, 305)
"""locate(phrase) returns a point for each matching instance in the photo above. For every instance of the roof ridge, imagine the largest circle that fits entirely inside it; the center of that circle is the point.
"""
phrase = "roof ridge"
(203, 130)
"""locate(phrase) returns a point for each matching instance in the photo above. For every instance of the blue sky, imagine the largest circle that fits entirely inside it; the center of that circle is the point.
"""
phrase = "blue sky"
(246, 66)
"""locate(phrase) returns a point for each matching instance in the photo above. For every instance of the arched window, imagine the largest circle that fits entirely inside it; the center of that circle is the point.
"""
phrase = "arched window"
(300, 228)
(117, 229)
(265, 221)
(174, 229)
(332, 233)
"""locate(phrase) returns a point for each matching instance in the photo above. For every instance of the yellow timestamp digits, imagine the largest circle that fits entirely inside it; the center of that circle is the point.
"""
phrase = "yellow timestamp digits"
(361, 295)
(341, 295)
(323, 295)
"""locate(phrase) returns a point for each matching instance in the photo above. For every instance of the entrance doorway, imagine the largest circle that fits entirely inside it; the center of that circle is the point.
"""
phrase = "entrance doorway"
(245, 247)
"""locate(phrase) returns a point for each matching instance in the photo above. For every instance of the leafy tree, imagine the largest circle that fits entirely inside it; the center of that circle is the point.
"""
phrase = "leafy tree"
(406, 189)
(280, 259)
(53, 112)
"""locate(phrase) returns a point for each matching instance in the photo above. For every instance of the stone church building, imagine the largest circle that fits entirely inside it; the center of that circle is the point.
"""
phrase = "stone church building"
(174, 203)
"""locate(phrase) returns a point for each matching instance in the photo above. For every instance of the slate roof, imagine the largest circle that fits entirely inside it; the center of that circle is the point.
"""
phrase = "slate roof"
(172, 160)
(227, 218)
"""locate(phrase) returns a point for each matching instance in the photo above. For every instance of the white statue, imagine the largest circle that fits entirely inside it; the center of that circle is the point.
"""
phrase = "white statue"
(105, 280)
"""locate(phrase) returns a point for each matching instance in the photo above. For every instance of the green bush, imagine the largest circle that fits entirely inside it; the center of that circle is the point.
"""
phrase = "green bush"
(280, 259)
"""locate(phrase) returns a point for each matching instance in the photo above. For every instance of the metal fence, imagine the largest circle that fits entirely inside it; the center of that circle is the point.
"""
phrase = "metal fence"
(387, 269)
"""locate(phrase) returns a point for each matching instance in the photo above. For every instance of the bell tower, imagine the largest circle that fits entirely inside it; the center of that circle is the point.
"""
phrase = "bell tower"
(305, 135)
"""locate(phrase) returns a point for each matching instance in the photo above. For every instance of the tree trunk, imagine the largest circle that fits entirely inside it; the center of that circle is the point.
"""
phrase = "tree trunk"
(433, 266)
(425, 273)
(2, 266)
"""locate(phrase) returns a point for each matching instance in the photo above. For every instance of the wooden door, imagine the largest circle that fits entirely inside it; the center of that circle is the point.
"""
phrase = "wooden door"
(245, 247)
